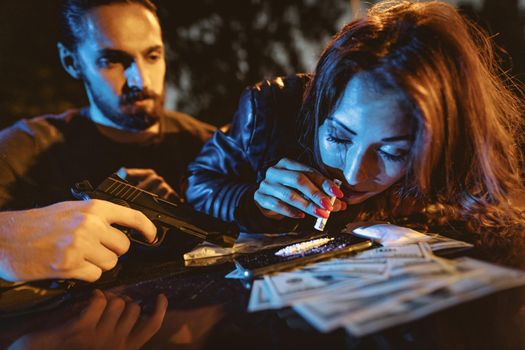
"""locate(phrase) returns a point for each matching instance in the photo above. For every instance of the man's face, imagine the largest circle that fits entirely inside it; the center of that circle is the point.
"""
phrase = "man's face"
(121, 61)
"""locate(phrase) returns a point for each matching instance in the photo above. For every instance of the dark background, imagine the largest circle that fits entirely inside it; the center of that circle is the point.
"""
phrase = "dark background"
(216, 48)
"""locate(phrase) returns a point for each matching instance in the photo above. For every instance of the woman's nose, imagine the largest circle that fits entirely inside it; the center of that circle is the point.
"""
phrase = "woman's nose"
(357, 166)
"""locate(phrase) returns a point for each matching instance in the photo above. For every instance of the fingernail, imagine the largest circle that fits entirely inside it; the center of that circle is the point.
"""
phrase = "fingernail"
(322, 213)
(326, 204)
(336, 191)
(344, 205)
(299, 215)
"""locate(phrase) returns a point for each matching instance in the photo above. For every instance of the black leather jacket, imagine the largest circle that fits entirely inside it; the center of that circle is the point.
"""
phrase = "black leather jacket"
(230, 166)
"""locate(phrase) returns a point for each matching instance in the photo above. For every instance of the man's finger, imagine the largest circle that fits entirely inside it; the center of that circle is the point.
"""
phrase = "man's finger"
(115, 240)
(134, 175)
(87, 272)
(146, 328)
(111, 315)
(127, 217)
(128, 319)
(92, 313)
(100, 256)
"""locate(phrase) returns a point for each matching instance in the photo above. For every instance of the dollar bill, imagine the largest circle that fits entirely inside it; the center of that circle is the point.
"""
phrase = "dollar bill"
(412, 251)
(381, 287)
(259, 297)
(284, 288)
(368, 311)
(438, 242)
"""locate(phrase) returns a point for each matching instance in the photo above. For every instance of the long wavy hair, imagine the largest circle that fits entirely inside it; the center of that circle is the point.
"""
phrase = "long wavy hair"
(465, 163)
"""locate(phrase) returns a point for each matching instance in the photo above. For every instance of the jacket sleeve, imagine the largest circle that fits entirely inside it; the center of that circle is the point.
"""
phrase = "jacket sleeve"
(225, 175)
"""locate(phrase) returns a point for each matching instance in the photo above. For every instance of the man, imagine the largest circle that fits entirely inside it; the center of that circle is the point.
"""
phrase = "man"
(115, 48)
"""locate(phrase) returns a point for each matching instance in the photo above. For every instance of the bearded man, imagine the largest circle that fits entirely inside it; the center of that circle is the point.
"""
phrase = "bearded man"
(115, 48)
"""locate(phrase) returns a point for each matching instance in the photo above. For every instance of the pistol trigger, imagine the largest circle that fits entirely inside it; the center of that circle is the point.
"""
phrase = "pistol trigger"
(161, 233)
(163, 230)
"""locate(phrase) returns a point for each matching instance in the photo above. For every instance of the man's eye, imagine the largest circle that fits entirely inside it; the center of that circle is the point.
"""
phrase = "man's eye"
(105, 62)
(154, 57)
(338, 140)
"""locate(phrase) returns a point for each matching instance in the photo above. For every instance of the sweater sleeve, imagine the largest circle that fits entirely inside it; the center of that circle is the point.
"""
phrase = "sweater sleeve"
(21, 147)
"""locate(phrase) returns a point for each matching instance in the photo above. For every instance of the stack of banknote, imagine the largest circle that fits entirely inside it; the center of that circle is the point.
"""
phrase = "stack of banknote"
(382, 287)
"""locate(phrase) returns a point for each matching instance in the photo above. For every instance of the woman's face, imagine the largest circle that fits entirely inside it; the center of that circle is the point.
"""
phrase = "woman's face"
(366, 140)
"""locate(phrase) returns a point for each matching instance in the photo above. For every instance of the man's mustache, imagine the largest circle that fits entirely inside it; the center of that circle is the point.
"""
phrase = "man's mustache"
(138, 95)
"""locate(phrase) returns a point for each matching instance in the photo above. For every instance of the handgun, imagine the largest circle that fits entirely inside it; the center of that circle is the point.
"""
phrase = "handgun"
(164, 214)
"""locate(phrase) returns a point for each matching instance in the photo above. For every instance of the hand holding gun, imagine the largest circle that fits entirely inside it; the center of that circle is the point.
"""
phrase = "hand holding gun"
(164, 214)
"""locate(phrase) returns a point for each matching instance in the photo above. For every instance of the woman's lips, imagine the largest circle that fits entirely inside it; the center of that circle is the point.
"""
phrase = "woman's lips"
(352, 194)
(351, 191)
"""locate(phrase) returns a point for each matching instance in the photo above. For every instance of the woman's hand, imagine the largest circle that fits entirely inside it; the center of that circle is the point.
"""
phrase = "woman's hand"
(292, 189)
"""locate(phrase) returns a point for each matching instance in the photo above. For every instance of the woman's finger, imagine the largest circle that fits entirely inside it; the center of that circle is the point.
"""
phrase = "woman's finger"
(302, 183)
(291, 197)
(277, 206)
(328, 186)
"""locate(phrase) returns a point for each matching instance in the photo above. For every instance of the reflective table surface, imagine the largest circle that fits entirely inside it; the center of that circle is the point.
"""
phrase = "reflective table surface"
(152, 301)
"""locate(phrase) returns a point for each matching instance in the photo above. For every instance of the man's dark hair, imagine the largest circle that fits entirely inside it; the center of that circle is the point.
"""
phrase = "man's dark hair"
(72, 11)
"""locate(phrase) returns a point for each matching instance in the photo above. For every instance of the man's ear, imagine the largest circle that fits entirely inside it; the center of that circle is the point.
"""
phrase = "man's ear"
(69, 61)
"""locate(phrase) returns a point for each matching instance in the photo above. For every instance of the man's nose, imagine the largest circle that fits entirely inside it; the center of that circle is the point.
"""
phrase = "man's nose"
(357, 166)
(136, 76)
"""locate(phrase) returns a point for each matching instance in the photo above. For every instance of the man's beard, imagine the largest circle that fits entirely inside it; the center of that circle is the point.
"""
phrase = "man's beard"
(128, 116)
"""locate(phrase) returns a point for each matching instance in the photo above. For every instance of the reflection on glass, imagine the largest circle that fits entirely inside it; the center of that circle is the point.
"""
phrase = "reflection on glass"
(108, 322)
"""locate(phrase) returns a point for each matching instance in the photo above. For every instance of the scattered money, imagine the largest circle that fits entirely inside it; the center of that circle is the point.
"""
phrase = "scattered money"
(382, 287)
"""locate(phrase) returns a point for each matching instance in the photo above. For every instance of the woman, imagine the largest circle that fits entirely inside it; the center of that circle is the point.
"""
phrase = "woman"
(406, 107)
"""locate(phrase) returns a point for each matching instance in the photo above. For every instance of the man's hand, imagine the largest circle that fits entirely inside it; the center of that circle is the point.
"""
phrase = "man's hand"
(149, 180)
(67, 240)
(107, 323)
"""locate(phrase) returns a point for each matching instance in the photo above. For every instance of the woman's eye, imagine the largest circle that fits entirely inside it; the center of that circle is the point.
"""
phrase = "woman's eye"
(394, 157)
(338, 140)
